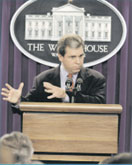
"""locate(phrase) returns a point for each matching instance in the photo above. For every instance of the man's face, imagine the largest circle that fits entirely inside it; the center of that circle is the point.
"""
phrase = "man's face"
(73, 59)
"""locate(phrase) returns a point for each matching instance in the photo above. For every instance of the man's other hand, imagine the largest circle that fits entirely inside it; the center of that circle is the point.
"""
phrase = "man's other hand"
(56, 92)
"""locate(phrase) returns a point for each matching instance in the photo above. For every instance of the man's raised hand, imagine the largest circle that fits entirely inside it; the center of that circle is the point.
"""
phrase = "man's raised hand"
(11, 94)
(56, 92)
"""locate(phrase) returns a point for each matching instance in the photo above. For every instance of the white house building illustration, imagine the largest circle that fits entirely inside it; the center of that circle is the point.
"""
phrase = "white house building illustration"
(68, 19)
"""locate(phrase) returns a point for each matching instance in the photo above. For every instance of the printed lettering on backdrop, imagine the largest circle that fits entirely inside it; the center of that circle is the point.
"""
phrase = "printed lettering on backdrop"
(38, 24)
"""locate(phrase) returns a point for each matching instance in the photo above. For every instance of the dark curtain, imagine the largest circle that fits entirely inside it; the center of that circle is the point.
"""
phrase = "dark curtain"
(16, 68)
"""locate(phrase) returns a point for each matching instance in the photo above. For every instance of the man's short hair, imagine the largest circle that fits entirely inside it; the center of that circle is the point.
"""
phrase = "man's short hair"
(71, 40)
(122, 158)
(19, 145)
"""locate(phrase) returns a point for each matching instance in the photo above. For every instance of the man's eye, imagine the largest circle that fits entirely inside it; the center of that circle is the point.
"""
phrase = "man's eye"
(73, 57)
(82, 55)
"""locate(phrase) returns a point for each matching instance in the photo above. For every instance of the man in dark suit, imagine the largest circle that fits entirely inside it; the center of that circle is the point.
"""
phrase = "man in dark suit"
(50, 85)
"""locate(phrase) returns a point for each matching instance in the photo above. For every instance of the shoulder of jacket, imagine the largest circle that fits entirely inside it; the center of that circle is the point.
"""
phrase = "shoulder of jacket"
(93, 73)
(46, 73)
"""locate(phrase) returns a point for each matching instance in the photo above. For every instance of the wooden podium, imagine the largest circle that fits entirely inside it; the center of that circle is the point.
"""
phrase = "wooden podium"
(71, 131)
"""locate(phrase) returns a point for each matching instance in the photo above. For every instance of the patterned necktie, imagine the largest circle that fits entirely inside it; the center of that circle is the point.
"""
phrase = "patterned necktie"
(70, 76)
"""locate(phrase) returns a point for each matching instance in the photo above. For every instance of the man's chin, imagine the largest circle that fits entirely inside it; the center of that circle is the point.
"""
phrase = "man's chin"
(76, 71)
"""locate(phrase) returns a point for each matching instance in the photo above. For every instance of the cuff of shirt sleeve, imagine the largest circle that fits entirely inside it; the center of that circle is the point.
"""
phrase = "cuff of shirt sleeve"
(66, 99)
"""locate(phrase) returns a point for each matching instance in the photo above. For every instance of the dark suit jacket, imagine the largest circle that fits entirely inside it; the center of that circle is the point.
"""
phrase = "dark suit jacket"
(92, 89)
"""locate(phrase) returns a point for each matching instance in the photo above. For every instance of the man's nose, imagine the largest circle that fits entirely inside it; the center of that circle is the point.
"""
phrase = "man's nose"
(78, 60)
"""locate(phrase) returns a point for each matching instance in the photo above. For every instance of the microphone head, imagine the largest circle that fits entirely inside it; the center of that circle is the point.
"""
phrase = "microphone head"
(79, 81)
(78, 86)
(68, 84)
(68, 81)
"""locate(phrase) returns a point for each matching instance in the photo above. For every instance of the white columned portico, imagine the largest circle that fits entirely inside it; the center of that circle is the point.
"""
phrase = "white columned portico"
(73, 19)
(64, 25)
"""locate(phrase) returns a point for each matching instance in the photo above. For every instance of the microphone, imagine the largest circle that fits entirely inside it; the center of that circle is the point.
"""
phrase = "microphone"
(76, 89)
(79, 84)
(68, 84)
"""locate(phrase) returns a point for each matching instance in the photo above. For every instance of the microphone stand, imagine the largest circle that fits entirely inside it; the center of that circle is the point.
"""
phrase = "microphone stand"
(72, 99)
(74, 92)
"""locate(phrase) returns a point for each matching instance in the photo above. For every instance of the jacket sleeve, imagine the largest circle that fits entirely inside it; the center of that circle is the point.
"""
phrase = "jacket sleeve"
(37, 93)
(34, 94)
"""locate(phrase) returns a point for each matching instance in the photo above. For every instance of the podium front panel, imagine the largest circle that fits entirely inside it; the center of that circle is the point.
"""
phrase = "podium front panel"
(72, 133)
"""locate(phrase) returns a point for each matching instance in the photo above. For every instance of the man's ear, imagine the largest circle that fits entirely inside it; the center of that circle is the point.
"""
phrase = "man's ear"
(60, 57)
